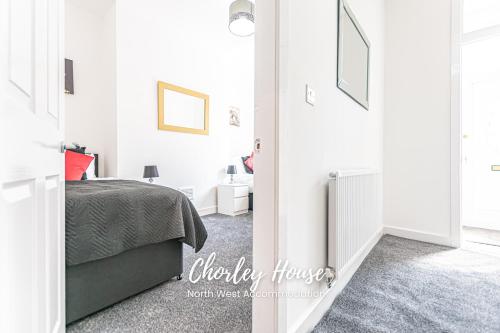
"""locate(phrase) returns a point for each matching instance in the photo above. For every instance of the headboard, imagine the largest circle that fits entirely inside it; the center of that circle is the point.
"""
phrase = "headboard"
(96, 165)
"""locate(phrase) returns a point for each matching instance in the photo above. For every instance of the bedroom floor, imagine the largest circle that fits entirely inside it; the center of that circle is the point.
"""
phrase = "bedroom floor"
(410, 286)
(170, 308)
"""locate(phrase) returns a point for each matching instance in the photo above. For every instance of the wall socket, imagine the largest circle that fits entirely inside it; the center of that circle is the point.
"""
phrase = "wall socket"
(188, 192)
(310, 95)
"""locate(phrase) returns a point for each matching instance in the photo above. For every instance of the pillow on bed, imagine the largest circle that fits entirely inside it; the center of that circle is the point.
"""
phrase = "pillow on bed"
(248, 163)
(247, 169)
(90, 172)
(78, 149)
(81, 150)
(76, 164)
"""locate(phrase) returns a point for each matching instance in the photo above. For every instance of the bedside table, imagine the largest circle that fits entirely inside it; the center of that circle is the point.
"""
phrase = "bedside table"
(232, 199)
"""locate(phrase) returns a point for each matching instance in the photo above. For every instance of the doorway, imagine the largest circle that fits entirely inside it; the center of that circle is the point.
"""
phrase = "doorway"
(194, 102)
(480, 104)
(32, 185)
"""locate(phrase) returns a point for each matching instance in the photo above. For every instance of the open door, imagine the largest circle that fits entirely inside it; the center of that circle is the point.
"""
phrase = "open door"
(481, 133)
(32, 167)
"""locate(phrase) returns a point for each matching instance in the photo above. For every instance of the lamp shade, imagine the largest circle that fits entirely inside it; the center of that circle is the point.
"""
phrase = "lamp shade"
(231, 169)
(150, 171)
(241, 18)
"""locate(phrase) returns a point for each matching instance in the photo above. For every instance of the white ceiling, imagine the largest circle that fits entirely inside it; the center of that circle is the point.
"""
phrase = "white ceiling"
(96, 6)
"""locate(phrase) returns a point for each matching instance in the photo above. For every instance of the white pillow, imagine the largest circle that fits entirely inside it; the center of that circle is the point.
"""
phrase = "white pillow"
(91, 169)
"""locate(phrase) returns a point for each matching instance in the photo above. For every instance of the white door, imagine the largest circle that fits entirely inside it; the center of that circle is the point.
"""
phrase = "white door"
(481, 129)
(31, 167)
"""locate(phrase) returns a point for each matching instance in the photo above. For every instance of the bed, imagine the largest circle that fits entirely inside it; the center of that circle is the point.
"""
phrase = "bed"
(123, 237)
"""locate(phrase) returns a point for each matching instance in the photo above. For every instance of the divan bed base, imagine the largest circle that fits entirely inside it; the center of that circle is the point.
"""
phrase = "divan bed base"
(95, 285)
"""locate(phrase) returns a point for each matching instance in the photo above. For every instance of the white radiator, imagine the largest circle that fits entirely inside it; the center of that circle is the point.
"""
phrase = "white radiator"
(354, 215)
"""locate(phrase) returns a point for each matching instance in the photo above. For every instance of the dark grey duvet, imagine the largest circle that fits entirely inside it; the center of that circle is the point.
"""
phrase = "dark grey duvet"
(107, 217)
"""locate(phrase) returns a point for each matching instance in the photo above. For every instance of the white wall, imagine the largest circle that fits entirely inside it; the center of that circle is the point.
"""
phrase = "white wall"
(185, 43)
(91, 111)
(336, 133)
(417, 119)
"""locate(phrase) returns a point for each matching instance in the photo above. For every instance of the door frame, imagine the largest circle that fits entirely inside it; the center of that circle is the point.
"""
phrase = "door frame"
(456, 124)
(458, 39)
(267, 316)
(268, 313)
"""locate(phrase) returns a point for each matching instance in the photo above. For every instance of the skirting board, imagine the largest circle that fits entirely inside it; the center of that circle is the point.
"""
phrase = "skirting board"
(207, 210)
(419, 236)
(322, 305)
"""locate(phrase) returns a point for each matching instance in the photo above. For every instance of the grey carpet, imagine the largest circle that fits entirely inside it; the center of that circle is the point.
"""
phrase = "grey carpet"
(410, 286)
(167, 308)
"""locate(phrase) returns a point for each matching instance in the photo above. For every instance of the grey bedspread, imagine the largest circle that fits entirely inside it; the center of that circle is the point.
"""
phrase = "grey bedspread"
(107, 217)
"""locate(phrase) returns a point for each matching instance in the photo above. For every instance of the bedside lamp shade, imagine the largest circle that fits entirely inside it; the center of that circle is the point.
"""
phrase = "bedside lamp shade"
(231, 170)
(150, 171)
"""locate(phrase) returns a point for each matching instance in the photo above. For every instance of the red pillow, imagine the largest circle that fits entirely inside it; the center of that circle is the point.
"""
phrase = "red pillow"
(249, 162)
(76, 164)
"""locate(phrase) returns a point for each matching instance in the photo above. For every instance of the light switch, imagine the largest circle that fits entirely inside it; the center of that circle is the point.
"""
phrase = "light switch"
(310, 95)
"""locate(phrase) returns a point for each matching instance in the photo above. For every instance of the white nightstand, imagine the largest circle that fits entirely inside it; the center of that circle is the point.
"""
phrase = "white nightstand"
(232, 199)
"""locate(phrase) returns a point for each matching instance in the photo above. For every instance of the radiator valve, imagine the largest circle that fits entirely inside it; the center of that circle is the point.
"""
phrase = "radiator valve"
(330, 276)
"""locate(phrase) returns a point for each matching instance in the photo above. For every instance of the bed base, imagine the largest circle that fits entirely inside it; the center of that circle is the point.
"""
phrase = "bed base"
(95, 285)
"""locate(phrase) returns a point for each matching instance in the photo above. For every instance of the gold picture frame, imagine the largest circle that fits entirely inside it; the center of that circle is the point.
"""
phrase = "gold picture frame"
(163, 109)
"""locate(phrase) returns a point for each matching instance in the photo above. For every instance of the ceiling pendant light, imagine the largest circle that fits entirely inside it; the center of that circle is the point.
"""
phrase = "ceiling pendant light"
(241, 18)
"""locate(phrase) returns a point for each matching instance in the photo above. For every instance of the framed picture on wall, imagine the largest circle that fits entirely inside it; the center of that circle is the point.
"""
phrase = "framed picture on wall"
(234, 116)
(353, 57)
(182, 110)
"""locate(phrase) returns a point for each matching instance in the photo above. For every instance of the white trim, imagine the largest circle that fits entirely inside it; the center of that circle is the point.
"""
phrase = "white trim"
(456, 126)
(283, 41)
(418, 235)
(316, 311)
(61, 12)
(207, 210)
